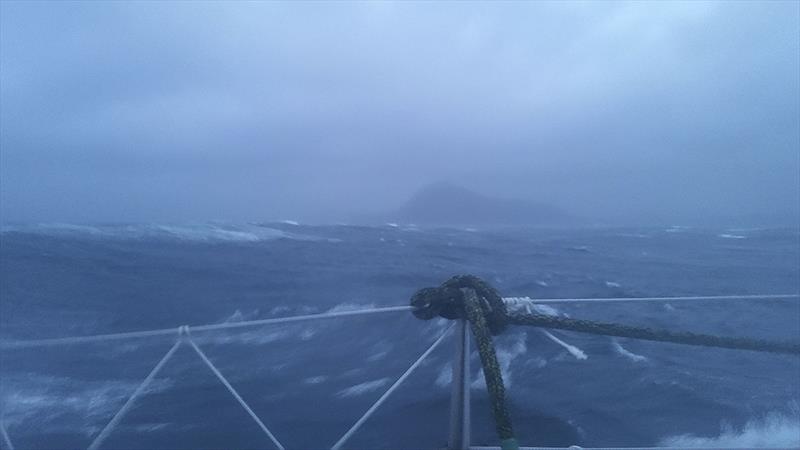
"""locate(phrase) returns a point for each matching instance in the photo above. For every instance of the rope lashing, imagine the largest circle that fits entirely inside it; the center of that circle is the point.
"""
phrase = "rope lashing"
(447, 301)
(492, 373)
(650, 334)
(468, 297)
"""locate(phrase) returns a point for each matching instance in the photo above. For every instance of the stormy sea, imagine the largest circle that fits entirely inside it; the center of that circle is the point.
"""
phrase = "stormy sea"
(310, 381)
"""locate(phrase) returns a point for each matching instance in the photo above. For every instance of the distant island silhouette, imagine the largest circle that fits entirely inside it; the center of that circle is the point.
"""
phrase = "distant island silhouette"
(448, 204)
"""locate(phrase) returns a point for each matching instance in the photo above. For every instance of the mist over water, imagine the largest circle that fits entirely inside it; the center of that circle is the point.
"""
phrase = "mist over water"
(170, 163)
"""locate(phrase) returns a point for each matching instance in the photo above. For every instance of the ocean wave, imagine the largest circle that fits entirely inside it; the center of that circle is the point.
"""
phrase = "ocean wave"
(380, 351)
(676, 229)
(445, 376)
(239, 316)
(731, 236)
(774, 430)
(363, 388)
(257, 336)
(506, 354)
(529, 305)
(201, 232)
(573, 350)
(315, 380)
(254, 337)
(627, 353)
(350, 306)
(279, 310)
(48, 398)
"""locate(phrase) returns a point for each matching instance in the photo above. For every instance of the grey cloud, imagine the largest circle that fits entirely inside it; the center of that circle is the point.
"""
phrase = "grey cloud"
(251, 111)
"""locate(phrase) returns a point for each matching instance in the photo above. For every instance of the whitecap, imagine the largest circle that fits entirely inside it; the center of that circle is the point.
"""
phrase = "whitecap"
(239, 316)
(191, 232)
(307, 334)
(627, 353)
(505, 356)
(255, 337)
(380, 351)
(315, 380)
(363, 388)
(573, 350)
(775, 430)
(445, 376)
(676, 229)
(731, 236)
(213, 233)
(280, 309)
(529, 305)
(45, 398)
(349, 306)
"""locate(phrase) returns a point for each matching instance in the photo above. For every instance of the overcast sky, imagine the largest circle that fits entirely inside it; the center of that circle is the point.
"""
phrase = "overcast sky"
(254, 111)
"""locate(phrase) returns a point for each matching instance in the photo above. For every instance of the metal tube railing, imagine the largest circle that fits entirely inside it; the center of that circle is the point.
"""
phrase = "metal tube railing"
(459, 433)
(459, 438)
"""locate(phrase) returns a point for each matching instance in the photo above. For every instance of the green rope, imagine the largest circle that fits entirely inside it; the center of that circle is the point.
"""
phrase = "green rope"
(468, 297)
(491, 369)
(649, 334)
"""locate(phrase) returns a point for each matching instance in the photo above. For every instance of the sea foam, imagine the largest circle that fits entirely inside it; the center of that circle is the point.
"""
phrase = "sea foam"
(363, 388)
(622, 351)
(775, 430)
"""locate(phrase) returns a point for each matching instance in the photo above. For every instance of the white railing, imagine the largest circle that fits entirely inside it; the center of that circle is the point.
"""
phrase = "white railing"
(459, 434)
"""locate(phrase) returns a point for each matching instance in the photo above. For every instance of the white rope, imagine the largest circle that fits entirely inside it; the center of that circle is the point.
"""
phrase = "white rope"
(128, 404)
(82, 339)
(652, 299)
(218, 326)
(233, 392)
(338, 445)
(329, 315)
(6, 438)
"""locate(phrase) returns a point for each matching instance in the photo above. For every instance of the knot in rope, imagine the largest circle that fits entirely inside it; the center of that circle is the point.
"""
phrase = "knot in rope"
(448, 301)
(470, 298)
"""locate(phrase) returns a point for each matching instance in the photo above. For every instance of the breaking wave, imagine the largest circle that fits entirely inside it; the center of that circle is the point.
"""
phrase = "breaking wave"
(202, 232)
(48, 398)
(315, 380)
(362, 388)
(505, 355)
(627, 353)
(574, 351)
(349, 306)
(775, 430)
(445, 376)
(529, 305)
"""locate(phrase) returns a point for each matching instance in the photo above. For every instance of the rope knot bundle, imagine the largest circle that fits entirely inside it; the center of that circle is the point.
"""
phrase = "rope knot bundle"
(448, 301)
(470, 298)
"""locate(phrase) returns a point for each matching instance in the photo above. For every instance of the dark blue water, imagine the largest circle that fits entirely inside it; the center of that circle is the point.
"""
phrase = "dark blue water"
(309, 382)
